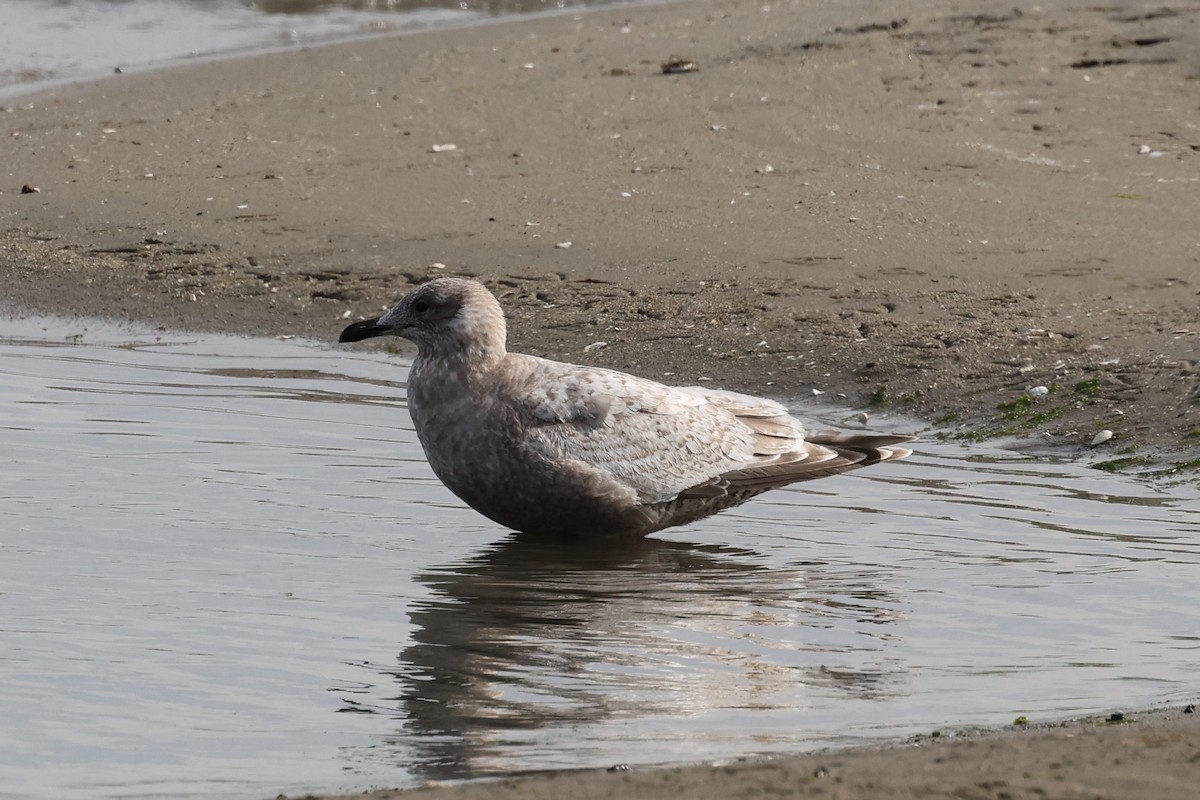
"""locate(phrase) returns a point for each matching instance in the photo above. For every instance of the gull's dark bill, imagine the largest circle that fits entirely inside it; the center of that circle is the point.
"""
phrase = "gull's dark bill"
(366, 329)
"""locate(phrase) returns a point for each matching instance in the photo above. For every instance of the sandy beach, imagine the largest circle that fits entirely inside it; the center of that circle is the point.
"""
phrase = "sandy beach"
(927, 208)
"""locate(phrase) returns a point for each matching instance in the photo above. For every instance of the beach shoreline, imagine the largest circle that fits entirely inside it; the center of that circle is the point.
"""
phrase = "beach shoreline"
(920, 209)
(912, 208)
(1149, 754)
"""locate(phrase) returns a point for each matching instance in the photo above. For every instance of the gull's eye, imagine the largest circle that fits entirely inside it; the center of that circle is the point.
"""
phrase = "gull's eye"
(420, 306)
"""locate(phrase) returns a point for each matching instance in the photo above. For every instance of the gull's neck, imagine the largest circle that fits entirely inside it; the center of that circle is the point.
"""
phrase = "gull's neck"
(445, 375)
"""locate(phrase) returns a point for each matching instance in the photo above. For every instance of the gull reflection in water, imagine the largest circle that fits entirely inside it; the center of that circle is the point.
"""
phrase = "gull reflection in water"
(535, 641)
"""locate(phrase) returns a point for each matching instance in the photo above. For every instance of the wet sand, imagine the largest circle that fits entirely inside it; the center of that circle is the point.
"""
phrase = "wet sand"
(1084, 760)
(914, 208)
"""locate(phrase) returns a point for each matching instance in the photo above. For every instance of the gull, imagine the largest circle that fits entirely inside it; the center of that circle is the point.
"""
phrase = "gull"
(544, 447)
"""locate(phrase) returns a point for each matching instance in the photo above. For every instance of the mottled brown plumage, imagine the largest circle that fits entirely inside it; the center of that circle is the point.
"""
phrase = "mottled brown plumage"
(546, 447)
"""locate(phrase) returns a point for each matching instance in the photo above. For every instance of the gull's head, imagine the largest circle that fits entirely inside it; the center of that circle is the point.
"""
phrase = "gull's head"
(445, 317)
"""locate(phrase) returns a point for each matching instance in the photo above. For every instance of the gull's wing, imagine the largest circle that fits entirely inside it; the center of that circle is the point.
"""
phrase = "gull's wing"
(666, 442)
(826, 453)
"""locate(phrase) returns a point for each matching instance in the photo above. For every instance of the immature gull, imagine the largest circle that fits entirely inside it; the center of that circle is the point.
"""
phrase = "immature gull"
(545, 447)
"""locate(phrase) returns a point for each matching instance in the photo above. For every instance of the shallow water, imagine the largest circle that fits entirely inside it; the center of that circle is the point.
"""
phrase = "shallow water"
(44, 42)
(226, 571)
